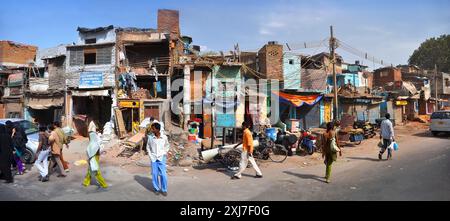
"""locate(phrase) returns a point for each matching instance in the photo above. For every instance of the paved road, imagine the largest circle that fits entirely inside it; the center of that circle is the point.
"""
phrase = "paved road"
(419, 171)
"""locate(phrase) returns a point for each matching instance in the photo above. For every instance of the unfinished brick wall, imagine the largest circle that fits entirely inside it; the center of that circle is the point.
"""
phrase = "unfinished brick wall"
(271, 61)
(12, 54)
(168, 21)
(56, 72)
(249, 59)
(383, 76)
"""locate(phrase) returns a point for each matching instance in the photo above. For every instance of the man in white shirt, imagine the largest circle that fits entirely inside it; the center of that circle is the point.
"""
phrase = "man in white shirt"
(387, 134)
(153, 120)
(147, 122)
(157, 148)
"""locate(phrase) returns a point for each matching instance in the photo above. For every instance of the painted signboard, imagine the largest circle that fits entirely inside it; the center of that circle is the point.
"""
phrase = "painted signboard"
(401, 103)
(91, 80)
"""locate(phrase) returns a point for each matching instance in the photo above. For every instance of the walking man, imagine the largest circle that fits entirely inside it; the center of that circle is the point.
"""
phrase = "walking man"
(56, 146)
(157, 148)
(247, 153)
(387, 134)
(64, 142)
(43, 152)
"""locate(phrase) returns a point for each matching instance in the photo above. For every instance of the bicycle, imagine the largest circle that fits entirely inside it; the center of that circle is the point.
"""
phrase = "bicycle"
(267, 149)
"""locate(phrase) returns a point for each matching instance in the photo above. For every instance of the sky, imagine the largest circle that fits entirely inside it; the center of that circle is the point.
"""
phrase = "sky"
(387, 29)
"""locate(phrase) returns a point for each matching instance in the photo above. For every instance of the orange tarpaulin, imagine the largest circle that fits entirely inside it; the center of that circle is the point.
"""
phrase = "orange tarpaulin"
(298, 100)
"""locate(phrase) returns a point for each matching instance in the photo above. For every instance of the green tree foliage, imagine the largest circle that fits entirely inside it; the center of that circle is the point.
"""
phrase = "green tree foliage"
(433, 51)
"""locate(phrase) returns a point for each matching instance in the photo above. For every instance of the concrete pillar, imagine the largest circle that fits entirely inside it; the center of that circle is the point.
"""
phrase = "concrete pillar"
(168, 109)
(187, 93)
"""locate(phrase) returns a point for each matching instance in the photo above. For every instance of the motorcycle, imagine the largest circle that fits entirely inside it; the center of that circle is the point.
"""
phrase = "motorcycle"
(307, 142)
(368, 128)
(356, 136)
(289, 141)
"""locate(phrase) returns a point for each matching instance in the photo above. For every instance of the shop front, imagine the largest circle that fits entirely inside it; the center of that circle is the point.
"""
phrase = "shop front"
(44, 109)
(90, 98)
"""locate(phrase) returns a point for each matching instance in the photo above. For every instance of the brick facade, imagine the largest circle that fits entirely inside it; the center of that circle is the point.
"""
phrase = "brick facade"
(14, 54)
(271, 61)
(168, 21)
(383, 76)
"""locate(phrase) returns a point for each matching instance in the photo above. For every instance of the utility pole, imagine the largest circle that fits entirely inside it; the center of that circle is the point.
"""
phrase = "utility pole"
(333, 61)
(435, 87)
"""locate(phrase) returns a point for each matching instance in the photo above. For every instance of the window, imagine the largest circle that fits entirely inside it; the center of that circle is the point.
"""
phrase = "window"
(291, 61)
(384, 74)
(447, 82)
(90, 41)
(29, 127)
(90, 58)
(14, 115)
(440, 115)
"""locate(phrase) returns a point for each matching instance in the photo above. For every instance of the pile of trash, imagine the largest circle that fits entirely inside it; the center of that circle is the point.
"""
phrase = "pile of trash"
(182, 152)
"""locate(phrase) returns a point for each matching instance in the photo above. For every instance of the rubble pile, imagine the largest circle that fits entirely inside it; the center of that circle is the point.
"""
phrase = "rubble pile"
(182, 152)
(140, 94)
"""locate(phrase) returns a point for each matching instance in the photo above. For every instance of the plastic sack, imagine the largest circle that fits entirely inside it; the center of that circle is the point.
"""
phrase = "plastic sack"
(395, 145)
(391, 146)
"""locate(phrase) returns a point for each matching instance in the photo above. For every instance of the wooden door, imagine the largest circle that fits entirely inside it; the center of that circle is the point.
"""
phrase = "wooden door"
(152, 111)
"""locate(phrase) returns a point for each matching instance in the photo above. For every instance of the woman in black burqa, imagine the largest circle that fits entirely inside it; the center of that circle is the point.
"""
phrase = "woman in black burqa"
(6, 155)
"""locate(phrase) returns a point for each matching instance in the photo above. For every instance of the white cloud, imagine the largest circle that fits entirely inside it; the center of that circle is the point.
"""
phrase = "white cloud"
(203, 48)
(265, 31)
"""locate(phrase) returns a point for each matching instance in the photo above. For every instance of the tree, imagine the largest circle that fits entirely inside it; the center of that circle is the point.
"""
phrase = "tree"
(433, 51)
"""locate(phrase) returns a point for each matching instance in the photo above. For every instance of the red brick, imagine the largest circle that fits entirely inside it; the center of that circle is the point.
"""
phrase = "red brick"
(16, 53)
(168, 21)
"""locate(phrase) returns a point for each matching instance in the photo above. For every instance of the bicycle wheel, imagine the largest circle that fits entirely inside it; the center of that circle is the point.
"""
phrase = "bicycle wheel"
(278, 153)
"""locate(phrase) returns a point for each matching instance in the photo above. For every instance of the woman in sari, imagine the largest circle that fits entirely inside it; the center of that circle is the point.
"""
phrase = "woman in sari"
(93, 154)
(329, 138)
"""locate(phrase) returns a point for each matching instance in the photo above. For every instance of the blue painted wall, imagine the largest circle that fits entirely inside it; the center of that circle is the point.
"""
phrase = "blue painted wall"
(291, 71)
(343, 79)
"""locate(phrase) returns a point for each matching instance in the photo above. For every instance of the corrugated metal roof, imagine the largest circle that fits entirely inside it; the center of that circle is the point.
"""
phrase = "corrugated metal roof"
(94, 30)
(313, 80)
(48, 53)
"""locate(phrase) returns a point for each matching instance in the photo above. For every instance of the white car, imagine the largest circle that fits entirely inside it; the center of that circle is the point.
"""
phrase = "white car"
(440, 122)
(32, 132)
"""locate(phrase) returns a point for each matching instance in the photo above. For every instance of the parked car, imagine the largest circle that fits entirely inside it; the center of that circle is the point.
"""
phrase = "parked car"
(440, 122)
(32, 132)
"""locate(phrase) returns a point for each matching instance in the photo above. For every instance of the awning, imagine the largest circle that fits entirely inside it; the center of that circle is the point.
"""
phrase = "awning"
(298, 100)
(44, 103)
(15, 79)
(98, 93)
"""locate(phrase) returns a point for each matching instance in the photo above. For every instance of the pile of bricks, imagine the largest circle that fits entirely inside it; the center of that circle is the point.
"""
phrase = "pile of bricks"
(140, 94)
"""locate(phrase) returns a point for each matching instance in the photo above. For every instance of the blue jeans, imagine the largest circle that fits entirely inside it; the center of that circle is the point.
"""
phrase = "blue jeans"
(159, 172)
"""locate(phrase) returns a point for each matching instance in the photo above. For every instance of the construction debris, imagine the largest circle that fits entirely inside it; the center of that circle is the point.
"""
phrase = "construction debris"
(140, 94)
